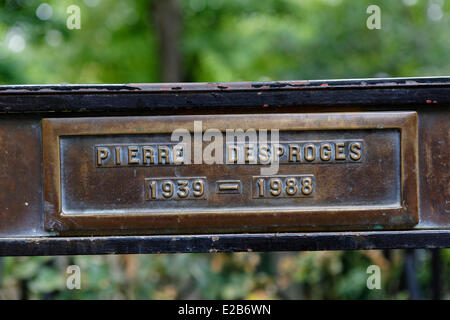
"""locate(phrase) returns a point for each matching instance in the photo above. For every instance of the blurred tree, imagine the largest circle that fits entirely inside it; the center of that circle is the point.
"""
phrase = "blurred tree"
(124, 41)
(167, 17)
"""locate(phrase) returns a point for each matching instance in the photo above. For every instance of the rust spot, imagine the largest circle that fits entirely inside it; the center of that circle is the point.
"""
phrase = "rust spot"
(301, 83)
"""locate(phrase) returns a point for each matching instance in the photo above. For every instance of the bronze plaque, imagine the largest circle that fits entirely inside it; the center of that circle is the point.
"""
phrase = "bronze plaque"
(231, 173)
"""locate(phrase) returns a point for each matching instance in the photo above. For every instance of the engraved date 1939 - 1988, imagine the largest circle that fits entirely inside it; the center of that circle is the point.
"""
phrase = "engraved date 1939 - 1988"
(262, 187)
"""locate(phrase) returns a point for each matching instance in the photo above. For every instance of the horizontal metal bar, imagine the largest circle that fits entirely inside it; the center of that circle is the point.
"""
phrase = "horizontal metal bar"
(226, 86)
(225, 243)
(238, 97)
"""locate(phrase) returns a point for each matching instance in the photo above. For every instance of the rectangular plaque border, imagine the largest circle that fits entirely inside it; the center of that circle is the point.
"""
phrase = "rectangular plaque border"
(206, 221)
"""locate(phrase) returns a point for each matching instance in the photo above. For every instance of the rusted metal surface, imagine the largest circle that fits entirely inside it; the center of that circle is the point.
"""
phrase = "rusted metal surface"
(22, 210)
(20, 177)
(435, 168)
(87, 192)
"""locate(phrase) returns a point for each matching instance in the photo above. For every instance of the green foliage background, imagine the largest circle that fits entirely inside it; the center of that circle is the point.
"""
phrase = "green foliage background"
(223, 40)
